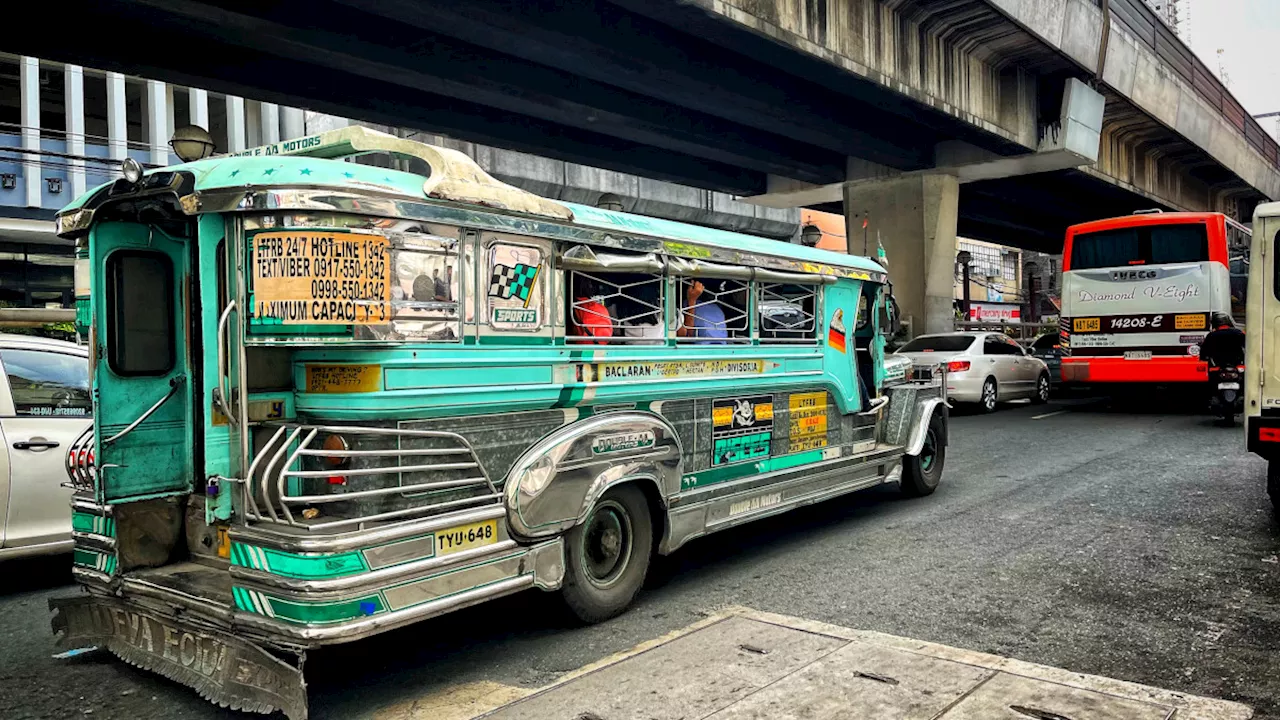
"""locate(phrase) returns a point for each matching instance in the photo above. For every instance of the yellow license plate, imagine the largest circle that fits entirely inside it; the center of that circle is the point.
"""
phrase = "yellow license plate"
(1086, 325)
(465, 537)
(1188, 322)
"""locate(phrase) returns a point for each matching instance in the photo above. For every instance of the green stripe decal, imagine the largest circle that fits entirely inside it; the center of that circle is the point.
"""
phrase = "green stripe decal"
(293, 565)
(93, 524)
(713, 476)
(326, 612)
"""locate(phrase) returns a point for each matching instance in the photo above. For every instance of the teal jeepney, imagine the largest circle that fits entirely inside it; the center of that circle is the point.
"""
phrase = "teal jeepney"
(333, 398)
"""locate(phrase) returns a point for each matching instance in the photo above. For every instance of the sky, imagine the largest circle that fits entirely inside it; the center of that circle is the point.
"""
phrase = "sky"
(1248, 33)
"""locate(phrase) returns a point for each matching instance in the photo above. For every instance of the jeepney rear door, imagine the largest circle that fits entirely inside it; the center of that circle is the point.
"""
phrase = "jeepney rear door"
(142, 380)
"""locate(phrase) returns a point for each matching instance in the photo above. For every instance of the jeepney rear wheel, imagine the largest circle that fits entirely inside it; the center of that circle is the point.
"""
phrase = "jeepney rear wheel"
(1273, 484)
(922, 473)
(608, 555)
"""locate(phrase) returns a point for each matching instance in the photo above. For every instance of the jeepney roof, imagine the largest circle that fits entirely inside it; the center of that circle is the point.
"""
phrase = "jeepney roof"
(313, 163)
(722, 239)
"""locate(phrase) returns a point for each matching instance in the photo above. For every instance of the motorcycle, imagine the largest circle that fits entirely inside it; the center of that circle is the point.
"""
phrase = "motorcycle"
(1227, 396)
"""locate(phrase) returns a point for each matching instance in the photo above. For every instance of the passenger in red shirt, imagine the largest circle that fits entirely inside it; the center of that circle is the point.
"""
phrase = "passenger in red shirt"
(590, 317)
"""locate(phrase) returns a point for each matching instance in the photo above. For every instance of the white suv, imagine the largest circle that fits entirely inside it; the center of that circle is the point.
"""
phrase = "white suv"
(45, 404)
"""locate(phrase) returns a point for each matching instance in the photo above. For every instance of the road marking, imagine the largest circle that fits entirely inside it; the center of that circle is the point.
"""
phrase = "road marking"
(1049, 415)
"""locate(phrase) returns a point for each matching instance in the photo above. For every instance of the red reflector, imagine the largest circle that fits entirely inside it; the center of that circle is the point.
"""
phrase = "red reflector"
(337, 479)
(958, 365)
(1269, 434)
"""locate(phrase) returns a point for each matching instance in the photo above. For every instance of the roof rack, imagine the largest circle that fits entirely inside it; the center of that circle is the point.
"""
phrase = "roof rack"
(454, 176)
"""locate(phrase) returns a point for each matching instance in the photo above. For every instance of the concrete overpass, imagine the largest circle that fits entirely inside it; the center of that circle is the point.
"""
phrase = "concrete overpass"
(750, 97)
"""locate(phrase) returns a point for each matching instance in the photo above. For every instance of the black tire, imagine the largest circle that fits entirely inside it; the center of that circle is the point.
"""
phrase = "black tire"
(1273, 484)
(599, 583)
(922, 473)
(990, 396)
(1044, 388)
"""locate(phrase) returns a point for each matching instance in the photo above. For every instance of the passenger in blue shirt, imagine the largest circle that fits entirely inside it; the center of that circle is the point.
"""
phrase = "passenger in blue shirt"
(706, 321)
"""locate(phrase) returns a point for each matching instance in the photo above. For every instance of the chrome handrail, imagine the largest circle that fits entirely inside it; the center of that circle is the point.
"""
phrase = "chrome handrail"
(174, 383)
(223, 397)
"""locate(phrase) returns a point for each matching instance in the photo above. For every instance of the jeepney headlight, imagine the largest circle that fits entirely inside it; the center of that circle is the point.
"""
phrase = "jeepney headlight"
(537, 476)
(132, 170)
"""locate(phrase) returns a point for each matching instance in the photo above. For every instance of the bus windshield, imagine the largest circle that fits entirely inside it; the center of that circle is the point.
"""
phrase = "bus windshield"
(1142, 245)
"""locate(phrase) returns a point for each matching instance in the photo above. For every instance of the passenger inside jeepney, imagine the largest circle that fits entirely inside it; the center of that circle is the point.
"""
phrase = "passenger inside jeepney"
(711, 315)
(590, 317)
(640, 315)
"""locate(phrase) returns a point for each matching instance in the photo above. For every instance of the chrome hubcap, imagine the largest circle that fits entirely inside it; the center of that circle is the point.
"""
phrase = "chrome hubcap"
(1044, 389)
(989, 395)
(606, 544)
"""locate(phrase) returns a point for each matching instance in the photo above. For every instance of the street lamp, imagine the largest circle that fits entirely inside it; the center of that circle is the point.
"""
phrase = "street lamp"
(191, 143)
(810, 235)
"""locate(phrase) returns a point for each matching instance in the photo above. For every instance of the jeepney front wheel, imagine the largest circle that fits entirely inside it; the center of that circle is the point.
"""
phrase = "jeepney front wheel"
(922, 473)
(608, 555)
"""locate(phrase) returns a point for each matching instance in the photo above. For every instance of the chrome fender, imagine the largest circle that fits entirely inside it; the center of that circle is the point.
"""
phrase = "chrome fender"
(553, 486)
(920, 425)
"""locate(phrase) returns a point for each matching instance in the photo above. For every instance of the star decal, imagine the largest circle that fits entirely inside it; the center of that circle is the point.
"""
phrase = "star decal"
(235, 173)
(306, 171)
(269, 171)
(348, 175)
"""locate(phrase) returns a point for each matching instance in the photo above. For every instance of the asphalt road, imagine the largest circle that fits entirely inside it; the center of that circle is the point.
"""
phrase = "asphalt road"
(1131, 542)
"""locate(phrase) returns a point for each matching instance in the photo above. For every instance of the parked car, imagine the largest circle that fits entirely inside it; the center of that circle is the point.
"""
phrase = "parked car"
(1047, 348)
(45, 404)
(984, 367)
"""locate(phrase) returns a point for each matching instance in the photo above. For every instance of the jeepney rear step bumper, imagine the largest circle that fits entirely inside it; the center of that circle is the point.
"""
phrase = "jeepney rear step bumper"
(183, 621)
(210, 594)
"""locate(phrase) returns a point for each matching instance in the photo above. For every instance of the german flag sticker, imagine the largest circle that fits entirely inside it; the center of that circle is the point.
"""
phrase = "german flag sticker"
(835, 334)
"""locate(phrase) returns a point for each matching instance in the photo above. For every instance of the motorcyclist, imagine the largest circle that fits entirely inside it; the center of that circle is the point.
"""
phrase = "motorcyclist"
(1224, 347)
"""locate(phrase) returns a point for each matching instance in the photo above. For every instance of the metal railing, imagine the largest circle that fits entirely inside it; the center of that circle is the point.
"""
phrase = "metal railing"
(280, 488)
(1020, 331)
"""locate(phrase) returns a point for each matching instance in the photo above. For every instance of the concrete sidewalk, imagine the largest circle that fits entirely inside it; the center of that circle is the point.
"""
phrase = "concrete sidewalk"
(746, 665)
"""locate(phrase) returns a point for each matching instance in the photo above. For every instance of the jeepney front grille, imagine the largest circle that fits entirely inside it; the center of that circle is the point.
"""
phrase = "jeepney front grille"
(370, 476)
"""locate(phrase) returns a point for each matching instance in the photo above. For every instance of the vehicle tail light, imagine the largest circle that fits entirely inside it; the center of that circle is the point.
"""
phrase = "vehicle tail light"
(339, 460)
(1267, 434)
(958, 365)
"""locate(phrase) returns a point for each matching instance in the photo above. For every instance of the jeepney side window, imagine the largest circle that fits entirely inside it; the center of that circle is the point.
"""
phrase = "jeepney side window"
(515, 294)
(425, 288)
(787, 312)
(615, 307)
(713, 311)
(140, 313)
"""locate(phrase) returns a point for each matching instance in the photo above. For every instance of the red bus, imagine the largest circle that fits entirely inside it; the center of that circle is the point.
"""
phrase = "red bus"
(1138, 292)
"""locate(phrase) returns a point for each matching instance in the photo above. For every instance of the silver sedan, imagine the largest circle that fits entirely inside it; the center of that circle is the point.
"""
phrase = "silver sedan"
(985, 368)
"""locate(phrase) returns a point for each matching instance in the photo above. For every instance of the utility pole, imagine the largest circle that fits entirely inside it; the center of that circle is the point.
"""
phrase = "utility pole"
(964, 257)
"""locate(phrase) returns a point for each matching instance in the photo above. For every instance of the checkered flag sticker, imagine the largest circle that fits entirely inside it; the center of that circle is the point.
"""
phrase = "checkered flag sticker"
(515, 281)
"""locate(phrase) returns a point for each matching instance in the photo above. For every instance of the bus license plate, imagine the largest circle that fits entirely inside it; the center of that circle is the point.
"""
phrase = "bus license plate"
(465, 537)
(1228, 386)
(1086, 324)
(1137, 355)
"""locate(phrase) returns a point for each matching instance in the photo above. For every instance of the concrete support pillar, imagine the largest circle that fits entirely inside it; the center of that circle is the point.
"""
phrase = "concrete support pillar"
(235, 124)
(914, 218)
(74, 94)
(269, 118)
(293, 121)
(117, 118)
(29, 90)
(157, 122)
(198, 107)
